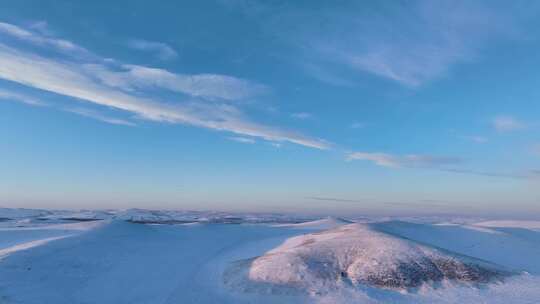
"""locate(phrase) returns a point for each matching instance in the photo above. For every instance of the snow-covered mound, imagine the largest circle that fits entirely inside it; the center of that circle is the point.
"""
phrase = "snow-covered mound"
(355, 255)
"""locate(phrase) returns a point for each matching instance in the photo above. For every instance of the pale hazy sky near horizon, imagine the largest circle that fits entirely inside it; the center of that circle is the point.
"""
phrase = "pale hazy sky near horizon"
(340, 107)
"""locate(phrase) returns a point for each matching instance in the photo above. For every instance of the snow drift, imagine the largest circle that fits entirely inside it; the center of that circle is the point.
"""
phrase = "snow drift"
(355, 255)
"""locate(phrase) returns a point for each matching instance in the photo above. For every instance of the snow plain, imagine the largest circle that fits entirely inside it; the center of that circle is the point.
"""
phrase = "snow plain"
(139, 256)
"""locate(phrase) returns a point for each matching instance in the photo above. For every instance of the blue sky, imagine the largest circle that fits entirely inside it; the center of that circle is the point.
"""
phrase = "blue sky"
(394, 107)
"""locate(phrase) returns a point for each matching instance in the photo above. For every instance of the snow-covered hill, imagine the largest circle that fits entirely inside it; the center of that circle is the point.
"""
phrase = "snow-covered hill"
(356, 254)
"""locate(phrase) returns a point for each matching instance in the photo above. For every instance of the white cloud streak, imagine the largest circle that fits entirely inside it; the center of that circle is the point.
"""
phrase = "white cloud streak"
(507, 124)
(162, 50)
(439, 163)
(208, 86)
(302, 115)
(100, 116)
(397, 161)
(133, 77)
(243, 140)
(13, 96)
(476, 139)
(103, 85)
(357, 125)
(40, 39)
(429, 203)
(416, 50)
(409, 43)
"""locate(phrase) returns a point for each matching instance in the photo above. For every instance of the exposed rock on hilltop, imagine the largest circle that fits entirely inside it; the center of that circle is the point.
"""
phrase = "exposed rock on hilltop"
(355, 255)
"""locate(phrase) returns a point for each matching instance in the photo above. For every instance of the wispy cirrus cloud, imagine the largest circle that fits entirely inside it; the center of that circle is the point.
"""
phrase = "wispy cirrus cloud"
(41, 27)
(209, 86)
(476, 139)
(302, 115)
(325, 75)
(243, 140)
(505, 123)
(99, 116)
(133, 88)
(519, 175)
(413, 51)
(19, 97)
(409, 43)
(358, 125)
(411, 160)
(439, 163)
(39, 38)
(162, 50)
(421, 203)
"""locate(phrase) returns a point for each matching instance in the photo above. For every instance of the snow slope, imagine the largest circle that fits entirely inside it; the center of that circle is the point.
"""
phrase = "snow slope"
(123, 262)
(514, 248)
(14, 239)
(116, 261)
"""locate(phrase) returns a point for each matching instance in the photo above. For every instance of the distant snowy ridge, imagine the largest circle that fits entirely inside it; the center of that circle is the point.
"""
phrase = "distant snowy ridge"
(322, 224)
(21, 213)
(29, 217)
(510, 224)
(355, 255)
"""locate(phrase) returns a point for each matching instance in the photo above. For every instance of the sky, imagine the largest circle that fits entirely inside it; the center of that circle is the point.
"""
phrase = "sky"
(334, 107)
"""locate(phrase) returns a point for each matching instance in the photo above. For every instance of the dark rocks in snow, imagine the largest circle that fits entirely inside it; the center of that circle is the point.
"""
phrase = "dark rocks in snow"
(80, 219)
(158, 222)
(415, 273)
